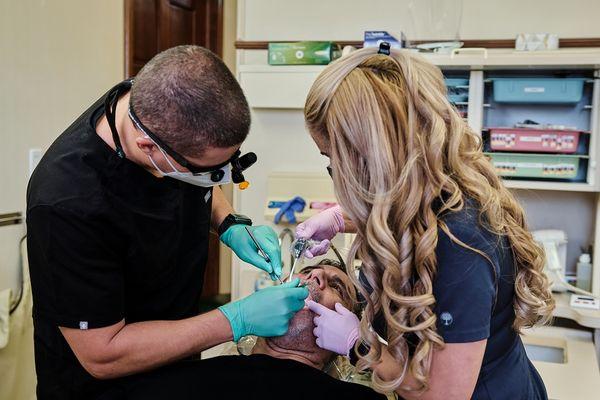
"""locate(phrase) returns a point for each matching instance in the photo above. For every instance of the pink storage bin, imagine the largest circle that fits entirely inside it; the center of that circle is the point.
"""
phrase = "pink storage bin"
(534, 140)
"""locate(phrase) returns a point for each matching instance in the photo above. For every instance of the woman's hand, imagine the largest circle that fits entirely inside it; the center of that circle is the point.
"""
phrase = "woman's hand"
(322, 227)
(337, 330)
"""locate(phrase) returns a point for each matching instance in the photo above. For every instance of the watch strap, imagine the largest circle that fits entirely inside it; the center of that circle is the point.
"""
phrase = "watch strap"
(233, 219)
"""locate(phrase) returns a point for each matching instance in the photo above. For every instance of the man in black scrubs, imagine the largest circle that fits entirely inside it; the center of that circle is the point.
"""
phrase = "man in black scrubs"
(118, 218)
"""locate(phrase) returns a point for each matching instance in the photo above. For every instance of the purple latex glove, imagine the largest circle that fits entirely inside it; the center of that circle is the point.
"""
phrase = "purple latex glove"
(321, 227)
(337, 330)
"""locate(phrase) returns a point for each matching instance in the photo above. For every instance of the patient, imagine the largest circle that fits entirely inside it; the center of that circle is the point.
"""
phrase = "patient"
(285, 367)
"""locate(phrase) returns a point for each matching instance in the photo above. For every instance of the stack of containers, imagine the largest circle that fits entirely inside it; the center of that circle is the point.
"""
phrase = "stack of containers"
(458, 94)
(537, 127)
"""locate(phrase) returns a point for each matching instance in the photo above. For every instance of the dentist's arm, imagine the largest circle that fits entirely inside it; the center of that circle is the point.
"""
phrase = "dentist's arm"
(124, 349)
(220, 208)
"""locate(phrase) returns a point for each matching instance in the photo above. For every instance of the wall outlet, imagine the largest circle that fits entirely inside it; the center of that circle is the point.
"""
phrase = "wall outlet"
(35, 155)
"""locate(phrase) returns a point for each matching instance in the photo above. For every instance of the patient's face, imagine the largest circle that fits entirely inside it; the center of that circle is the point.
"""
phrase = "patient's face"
(327, 285)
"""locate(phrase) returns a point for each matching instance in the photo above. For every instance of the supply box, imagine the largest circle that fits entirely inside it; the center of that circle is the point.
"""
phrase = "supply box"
(538, 90)
(536, 166)
(303, 53)
(534, 140)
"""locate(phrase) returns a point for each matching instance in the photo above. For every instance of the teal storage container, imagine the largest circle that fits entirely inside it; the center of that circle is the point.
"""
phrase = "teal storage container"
(452, 82)
(535, 166)
(458, 89)
(538, 90)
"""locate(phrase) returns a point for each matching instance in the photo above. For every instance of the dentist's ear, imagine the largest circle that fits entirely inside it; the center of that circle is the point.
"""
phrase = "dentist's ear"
(145, 144)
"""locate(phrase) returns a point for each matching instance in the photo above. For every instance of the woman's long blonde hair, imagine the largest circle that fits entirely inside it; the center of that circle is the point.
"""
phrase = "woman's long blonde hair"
(399, 149)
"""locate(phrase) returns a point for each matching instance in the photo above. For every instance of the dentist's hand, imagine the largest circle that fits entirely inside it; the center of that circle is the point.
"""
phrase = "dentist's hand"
(337, 330)
(267, 312)
(242, 245)
(322, 227)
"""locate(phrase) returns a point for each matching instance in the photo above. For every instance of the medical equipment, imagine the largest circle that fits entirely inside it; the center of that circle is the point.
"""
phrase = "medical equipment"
(580, 301)
(260, 249)
(297, 250)
(554, 243)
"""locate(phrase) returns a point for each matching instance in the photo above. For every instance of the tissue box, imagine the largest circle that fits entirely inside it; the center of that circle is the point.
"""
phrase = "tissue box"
(303, 53)
(536, 41)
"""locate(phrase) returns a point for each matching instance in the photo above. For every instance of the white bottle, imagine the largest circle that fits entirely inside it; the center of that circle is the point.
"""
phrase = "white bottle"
(584, 272)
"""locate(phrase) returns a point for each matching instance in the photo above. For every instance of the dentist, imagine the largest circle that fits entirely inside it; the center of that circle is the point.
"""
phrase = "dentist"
(118, 217)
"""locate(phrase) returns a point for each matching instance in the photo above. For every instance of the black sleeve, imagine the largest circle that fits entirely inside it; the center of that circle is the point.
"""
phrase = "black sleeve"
(464, 287)
(76, 273)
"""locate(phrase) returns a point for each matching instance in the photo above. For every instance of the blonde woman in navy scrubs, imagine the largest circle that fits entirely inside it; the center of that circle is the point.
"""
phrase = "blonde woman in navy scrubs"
(450, 273)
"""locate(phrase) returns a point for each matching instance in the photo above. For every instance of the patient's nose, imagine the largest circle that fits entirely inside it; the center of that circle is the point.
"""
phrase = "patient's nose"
(318, 276)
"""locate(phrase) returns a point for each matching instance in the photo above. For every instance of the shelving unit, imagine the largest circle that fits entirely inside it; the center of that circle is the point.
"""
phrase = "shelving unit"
(277, 95)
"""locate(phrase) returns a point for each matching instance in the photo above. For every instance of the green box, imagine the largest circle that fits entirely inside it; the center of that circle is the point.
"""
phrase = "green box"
(303, 53)
(535, 166)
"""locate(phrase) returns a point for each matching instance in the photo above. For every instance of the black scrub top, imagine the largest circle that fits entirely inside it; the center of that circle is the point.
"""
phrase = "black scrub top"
(253, 377)
(107, 241)
(475, 302)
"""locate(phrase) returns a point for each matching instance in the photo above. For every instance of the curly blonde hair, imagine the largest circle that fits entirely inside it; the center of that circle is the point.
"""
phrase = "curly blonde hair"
(398, 150)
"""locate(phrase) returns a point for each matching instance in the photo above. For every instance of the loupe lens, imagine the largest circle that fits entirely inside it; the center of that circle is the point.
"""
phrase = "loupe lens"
(217, 176)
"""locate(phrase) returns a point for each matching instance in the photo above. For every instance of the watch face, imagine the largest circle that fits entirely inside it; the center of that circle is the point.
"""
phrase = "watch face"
(241, 219)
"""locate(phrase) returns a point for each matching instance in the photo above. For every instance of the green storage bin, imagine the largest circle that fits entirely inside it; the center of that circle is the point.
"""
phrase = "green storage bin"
(535, 166)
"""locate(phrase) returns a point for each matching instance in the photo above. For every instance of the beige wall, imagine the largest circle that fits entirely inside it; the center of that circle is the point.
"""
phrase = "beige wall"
(481, 19)
(56, 57)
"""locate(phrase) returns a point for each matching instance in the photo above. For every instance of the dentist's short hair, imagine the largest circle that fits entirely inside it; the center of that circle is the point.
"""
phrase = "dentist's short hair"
(188, 97)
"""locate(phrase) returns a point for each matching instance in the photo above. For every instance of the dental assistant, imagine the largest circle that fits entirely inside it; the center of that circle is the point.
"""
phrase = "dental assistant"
(449, 272)
(118, 217)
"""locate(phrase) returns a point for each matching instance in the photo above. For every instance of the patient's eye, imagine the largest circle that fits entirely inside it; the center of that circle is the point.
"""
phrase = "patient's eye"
(337, 287)
(306, 270)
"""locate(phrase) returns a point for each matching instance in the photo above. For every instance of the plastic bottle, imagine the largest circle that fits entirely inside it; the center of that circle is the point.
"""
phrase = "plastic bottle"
(584, 272)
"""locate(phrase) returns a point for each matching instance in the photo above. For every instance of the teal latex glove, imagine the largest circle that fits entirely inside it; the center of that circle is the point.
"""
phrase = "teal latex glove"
(238, 240)
(267, 312)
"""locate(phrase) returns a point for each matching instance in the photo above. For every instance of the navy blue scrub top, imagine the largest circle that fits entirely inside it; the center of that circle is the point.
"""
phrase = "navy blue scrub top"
(475, 301)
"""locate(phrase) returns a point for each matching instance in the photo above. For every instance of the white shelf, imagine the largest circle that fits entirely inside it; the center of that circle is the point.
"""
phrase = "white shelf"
(541, 185)
(491, 59)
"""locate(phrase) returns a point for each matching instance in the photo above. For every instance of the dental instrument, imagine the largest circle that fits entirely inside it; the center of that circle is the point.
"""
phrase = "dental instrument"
(297, 250)
(260, 249)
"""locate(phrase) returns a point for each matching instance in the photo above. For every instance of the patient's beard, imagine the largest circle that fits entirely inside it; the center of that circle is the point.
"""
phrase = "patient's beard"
(299, 337)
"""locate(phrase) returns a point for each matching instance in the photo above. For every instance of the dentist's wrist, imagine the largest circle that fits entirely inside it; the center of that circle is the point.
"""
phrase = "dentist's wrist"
(231, 220)
(233, 313)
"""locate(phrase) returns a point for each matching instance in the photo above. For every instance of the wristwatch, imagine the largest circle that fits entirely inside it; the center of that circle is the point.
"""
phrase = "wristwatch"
(233, 219)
